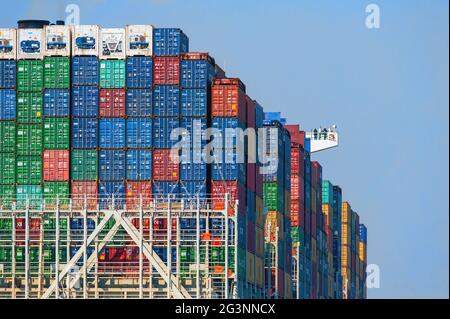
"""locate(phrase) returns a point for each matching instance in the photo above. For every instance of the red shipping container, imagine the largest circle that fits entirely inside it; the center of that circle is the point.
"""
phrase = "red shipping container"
(166, 70)
(34, 233)
(251, 237)
(236, 192)
(197, 56)
(82, 189)
(145, 222)
(228, 99)
(316, 175)
(161, 224)
(165, 168)
(251, 112)
(134, 191)
(251, 177)
(297, 138)
(55, 166)
(112, 102)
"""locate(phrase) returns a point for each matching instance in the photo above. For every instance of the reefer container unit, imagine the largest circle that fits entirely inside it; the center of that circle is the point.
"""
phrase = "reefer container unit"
(30, 44)
(169, 41)
(139, 40)
(8, 40)
(112, 43)
(57, 40)
(86, 40)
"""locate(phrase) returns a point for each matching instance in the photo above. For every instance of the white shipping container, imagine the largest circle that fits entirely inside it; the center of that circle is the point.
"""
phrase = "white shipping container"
(8, 42)
(85, 40)
(113, 43)
(139, 40)
(30, 44)
(57, 40)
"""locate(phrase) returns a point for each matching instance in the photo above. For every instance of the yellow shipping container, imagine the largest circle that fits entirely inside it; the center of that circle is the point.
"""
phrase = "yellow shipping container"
(274, 219)
(345, 211)
(251, 268)
(362, 251)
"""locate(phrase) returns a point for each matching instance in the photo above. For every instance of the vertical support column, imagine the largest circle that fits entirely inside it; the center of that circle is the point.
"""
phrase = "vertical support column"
(150, 284)
(298, 271)
(85, 235)
(197, 249)
(169, 249)
(13, 252)
(27, 249)
(226, 248)
(57, 248)
(276, 264)
(40, 256)
(97, 220)
(236, 240)
(141, 244)
(269, 261)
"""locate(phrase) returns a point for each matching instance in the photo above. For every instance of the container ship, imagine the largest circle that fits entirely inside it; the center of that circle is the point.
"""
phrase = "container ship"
(131, 167)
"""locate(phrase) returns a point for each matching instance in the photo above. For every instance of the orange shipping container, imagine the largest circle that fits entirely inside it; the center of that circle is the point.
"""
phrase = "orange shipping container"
(228, 99)
(55, 166)
(134, 191)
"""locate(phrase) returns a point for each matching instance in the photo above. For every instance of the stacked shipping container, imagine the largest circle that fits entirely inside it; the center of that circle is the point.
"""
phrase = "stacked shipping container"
(120, 112)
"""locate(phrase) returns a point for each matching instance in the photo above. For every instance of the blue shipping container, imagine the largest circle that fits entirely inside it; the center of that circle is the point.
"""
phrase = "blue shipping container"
(8, 74)
(85, 101)
(162, 127)
(169, 41)
(164, 189)
(194, 102)
(139, 102)
(112, 133)
(227, 127)
(84, 133)
(166, 100)
(139, 72)
(192, 171)
(56, 102)
(7, 104)
(139, 165)
(110, 192)
(78, 223)
(195, 130)
(191, 223)
(193, 188)
(112, 165)
(139, 132)
(85, 70)
(196, 74)
(363, 233)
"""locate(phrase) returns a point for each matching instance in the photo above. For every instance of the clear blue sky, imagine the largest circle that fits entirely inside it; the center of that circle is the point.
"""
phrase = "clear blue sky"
(386, 89)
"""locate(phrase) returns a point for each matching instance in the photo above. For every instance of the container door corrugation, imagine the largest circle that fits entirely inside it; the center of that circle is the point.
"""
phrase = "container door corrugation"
(7, 104)
(29, 107)
(112, 165)
(8, 136)
(139, 132)
(85, 101)
(162, 126)
(85, 71)
(109, 191)
(29, 139)
(56, 133)
(112, 133)
(137, 190)
(193, 188)
(7, 168)
(112, 74)
(195, 128)
(196, 74)
(56, 102)
(84, 133)
(30, 76)
(8, 71)
(194, 102)
(164, 189)
(139, 165)
(56, 165)
(139, 102)
(165, 167)
(112, 102)
(84, 165)
(166, 70)
(80, 189)
(29, 170)
(57, 72)
(166, 101)
(139, 72)
(169, 41)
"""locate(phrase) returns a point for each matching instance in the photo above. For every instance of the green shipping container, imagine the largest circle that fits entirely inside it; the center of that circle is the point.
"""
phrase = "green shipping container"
(56, 73)
(29, 139)
(50, 223)
(84, 165)
(5, 254)
(50, 256)
(29, 170)
(53, 190)
(7, 168)
(7, 136)
(270, 195)
(30, 76)
(29, 107)
(56, 133)
(7, 194)
(31, 192)
(242, 263)
(112, 74)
